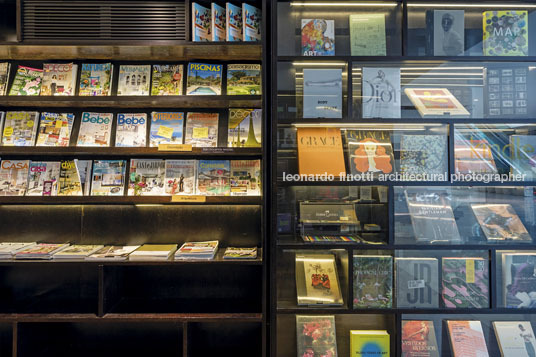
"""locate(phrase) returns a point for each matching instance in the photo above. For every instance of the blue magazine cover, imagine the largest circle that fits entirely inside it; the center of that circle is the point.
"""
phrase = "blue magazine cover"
(204, 79)
(166, 128)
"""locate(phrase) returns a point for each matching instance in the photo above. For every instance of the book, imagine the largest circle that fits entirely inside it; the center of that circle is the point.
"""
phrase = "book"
(367, 34)
(43, 178)
(27, 81)
(76, 252)
(95, 129)
(322, 93)
(317, 281)
(147, 177)
(425, 155)
(197, 250)
(369, 151)
(417, 283)
(240, 253)
(217, 22)
(436, 102)
(369, 343)
(9, 249)
(373, 281)
(113, 253)
(84, 174)
(518, 279)
(108, 177)
(14, 177)
(467, 339)
(233, 22)
(201, 129)
(41, 251)
(516, 338)
(473, 155)
(204, 79)
(70, 183)
(180, 177)
(320, 151)
(167, 79)
(244, 128)
(96, 79)
(55, 129)
(131, 130)
(318, 37)
(166, 127)
(246, 178)
(381, 92)
(316, 336)
(153, 252)
(213, 178)
(448, 32)
(20, 128)
(506, 91)
(201, 23)
(5, 68)
(243, 79)
(499, 222)
(59, 79)
(134, 79)
(465, 282)
(419, 339)
(505, 33)
(251, 22)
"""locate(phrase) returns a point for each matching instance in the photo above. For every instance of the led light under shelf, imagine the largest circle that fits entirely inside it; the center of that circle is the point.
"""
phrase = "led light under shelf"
(344, 4)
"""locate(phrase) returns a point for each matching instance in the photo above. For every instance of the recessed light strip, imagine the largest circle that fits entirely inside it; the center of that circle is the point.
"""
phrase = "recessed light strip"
(518, 6)
(345, 4)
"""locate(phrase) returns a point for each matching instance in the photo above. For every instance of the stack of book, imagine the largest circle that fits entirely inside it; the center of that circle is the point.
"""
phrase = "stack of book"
(113, 253)
(76, 252)
(8, 250)
(197, 251)
(153, 252)
(240, 253)
(40, 251)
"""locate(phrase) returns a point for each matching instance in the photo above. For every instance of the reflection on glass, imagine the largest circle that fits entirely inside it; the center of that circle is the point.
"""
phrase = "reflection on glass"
(516, 283)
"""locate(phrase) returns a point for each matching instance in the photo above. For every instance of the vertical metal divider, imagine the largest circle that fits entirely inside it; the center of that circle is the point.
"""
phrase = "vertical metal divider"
(14, 338)
(185, 339)
(493, 278)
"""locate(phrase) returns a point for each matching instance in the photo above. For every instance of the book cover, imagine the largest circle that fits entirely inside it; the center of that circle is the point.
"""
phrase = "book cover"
(245, 177)
(55, 129)
(317, 281)
(516, 338)
(419, 339)
(5, 68)
(201, 129)
(369, 151)
(465, 283)
(76, 251)
(114, 252)
(166, 127)
(500, 223)
(322, 93)
(131, 130)
(449, 28)
(213, 178)
(381, 92)
(41, 251)
(108, 177)
(251, 21)
(367, 34)
(70, 183)
(436, 102)
(95, 129)
(153, 252)
(424, 155)
(43, 178)
(96, 79)
(519, 279)
(320, 151)
(201, 23)
(84, 174)
(180, 177)
(417, 283)
(59, 79)
(506, 91)
(27, 81)
(134, 80)
(373, 281)
(240, 253)
(473, 155)
(204, 79)
(467, 339)
(9, 249)
(20, 128)
(318, 37)
(14, 177)
(505, 33)
(147, 177)
(217, 22)
(233, 23)
(167, 79)
(245, 128)
(244, 79)
(369, 343)
(316, 336)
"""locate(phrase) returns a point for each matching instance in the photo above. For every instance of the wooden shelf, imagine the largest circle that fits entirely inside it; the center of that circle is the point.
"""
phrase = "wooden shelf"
(409, 59)
(69, 200)
(184, 317)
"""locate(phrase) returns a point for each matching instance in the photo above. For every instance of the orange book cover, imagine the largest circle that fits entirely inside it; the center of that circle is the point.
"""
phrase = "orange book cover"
(467, 339)
(320, 151)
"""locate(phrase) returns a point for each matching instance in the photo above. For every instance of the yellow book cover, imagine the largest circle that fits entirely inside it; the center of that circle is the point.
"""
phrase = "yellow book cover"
(320, 151)
(506, 33)
(369, 343)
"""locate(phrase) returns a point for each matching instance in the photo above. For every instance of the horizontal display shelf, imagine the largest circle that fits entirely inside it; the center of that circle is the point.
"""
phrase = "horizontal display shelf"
(282, 183)
(408, 59)
(126, 151)
(253, 200)
(185, 317)
(441, 310)
(349, 122)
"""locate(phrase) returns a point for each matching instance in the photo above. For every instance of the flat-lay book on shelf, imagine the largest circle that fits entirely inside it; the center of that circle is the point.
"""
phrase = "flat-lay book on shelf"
(8, 250)
(419, 339)
(197, 251)
(316, 335)
(240, 253)
(317, 281)
(77, 252)
(113, 253)
(43, 251)
(153, 252)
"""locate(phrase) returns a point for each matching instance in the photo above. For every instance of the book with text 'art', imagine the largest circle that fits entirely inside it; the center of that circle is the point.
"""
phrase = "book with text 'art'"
(134, 80)
(108, 177)
(131, 130)
(76, 252)
(516, 338)
(251, 22)
(20, 128)
(417, 283)
(419, 339)
(213, 178)
(5, 68)
(506, 91)
(96, 79)
(367, 34)
(473, 155)
(204, 79)
(424, 155)
(322, 93)
(217, 22)
(465, 283)
(167, 79)
(197, 250)
(467, 339)
(320, 151)
(201, 129)
(55, 129)
(147, 177)
(14, 177)
(113, 252)
(70, 183)
(43, 178)
(446, 32)
(316, 336)
(519, 279)
(369, 151)
(245, 128)
(523, 156)
(84, 172)
(95, 129)
(201, 23)
(59, 79)
(381, 92)
(317, 281)
(500, 223)
(180, 177)
(9, 249)
(506, 33)
(369, 343)
(41, 251)
(233, 19)
(166, 128)
(240, 253)
(27, 81)
(436, 102)
(243, 79)
(245, 177)
(318, 37)
(373, 281)
(153, 252)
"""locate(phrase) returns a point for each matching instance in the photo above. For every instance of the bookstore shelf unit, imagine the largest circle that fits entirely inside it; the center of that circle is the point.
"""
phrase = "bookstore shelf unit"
(308, 104)
(141, 308)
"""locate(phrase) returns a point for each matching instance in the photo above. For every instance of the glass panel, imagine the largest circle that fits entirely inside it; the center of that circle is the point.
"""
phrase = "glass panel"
(516, 278)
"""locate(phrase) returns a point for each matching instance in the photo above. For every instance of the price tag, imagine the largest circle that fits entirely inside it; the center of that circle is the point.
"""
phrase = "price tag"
(196, 199)
(165, 132)
(59, 124)
(8, 131)
(416, 284)
(200, 133)
(174, 147)
(470, 271)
